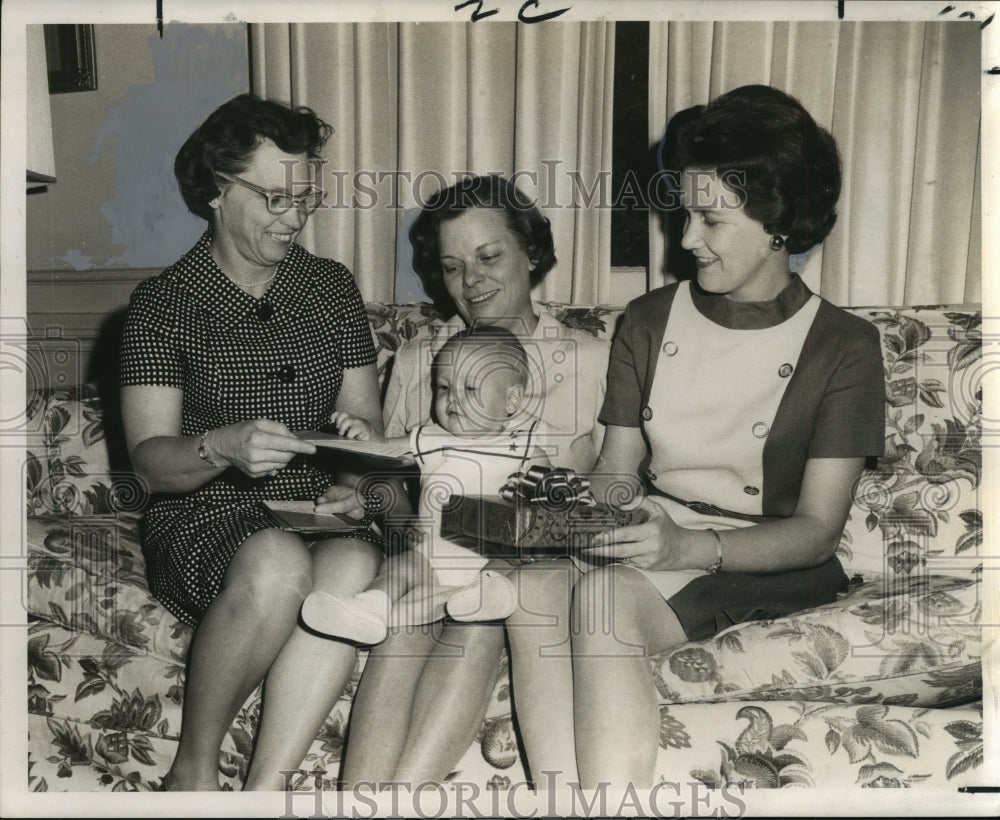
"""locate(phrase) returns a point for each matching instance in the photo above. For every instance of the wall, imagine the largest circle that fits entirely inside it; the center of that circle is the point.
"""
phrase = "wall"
(151, 94)
(114, 216)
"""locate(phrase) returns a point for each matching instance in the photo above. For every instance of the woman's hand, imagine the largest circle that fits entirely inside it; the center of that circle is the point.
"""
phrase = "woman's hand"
(341, 500)
(658, 543)
(259, 447)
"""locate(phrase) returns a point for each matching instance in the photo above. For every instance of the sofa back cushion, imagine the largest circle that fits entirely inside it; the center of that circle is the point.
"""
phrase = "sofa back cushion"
(75, 463)
(916, 512)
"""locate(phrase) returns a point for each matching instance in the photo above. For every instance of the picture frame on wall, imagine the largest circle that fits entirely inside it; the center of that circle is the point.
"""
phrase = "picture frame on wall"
(69, 52)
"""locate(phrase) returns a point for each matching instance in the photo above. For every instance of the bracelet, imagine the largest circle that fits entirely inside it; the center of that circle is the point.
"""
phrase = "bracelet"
(203, 453)
(718, 554)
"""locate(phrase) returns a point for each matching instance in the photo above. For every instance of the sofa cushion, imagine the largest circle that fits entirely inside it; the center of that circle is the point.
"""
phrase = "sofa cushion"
(104, 714)
(912, 641)
(106, 717)
(88, 574)
(733, 747)
(67, 466)
(786, 744)
(919, 511)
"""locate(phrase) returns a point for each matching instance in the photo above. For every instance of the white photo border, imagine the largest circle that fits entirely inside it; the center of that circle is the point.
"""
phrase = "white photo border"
(17, 801)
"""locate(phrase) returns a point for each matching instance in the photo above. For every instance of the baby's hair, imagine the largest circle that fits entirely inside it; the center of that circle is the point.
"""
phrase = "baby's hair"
(509, 349)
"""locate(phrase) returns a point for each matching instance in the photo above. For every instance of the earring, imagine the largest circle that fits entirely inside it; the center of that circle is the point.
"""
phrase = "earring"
(777, 243)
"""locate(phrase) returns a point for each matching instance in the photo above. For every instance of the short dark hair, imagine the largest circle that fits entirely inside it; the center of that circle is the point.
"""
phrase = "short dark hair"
(788, 167)
(482, 335)
(226, 140)
(523, 219)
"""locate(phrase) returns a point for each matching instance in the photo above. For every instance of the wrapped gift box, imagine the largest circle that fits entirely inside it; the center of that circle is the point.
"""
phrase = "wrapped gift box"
(521, 529)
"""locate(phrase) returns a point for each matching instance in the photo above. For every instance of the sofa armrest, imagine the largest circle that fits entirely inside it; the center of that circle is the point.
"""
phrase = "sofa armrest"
(916, 643)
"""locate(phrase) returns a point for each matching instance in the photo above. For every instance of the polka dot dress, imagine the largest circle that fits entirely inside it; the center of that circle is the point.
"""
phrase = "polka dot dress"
(237, 358)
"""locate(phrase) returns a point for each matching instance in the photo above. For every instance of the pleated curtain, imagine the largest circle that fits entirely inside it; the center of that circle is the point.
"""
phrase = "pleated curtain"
(412, 105)
(902, 101)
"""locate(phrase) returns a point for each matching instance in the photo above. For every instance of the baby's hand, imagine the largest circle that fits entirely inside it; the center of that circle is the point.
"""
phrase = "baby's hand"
(351, 426)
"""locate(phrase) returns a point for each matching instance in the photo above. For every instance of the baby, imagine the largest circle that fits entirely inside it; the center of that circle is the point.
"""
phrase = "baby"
(481, 436)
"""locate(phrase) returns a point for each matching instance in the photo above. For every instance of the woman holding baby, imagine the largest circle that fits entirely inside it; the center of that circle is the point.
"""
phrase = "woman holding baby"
(479, 247)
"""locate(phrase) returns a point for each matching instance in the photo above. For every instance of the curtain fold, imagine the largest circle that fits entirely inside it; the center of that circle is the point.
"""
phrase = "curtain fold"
(414, 106)
(902, 101)
(338, 70)
(565, 138)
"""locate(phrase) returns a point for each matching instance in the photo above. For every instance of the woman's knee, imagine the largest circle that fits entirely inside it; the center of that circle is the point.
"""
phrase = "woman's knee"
(609, 598)
(618, 610)
(544, 586)
(271, 567)
(344, 566)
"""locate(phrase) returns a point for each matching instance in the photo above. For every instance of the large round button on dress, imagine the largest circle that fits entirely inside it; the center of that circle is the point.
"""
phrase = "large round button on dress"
(749, 490)
(760, 430)
(670, 348)
(647, 413)
(785, 370)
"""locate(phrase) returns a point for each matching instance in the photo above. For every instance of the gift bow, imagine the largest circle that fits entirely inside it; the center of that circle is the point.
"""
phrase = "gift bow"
(556, 488)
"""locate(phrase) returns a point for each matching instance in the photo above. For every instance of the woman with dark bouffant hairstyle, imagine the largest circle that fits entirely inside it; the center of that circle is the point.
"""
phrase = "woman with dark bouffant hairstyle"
(783, 167)
(244, 340)
(740, 407)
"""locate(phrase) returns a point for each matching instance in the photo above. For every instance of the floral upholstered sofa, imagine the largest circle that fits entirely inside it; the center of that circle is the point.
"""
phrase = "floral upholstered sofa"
(881, 688)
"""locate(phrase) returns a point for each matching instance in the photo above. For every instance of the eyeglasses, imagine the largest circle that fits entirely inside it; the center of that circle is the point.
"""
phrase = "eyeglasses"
(278, 202)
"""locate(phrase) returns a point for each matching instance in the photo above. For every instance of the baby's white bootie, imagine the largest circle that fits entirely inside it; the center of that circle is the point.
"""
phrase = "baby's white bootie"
(361, 618)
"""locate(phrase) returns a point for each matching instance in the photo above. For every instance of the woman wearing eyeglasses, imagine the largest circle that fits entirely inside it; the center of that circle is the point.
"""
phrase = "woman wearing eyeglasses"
(244, 340)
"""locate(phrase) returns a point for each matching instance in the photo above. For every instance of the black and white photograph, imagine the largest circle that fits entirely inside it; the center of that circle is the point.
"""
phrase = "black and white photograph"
(499, 408)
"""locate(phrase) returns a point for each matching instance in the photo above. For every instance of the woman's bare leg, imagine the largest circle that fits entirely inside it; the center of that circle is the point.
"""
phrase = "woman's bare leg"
(619, 620)
(241, 634)
(383, 705)
(377, 735)
(311, 671)
(542, 670)
(433, 677)
(451, 700)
